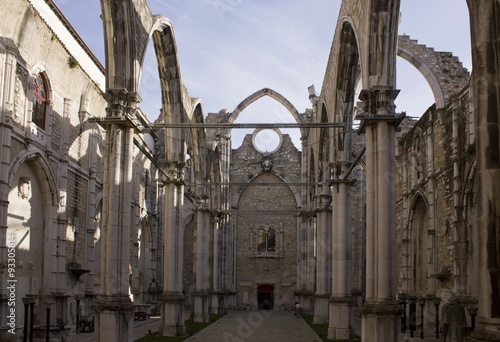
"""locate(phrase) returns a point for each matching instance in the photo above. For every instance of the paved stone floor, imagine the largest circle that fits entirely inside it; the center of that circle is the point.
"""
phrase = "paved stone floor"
(256, 326)
(239, 326)
(141, 329)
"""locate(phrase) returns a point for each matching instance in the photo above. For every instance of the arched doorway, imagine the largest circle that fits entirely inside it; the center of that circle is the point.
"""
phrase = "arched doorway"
(422, 247)
(265, 297)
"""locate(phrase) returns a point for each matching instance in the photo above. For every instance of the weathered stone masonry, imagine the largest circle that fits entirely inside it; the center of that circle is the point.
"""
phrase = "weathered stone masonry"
(354, 224)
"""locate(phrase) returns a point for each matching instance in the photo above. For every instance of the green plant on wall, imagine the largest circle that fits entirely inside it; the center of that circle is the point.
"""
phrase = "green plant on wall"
(471, 150)
(72, 62)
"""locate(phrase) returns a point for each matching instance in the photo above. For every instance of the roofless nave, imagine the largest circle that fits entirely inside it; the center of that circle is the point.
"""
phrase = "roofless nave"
(357, 225)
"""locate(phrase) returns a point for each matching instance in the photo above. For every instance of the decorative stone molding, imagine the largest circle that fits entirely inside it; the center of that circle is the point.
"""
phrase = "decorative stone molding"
(278, 249)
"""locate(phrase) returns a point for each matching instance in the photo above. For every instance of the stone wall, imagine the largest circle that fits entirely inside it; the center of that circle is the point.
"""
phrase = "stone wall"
(58, 219)
(270, 205)
(436, 208)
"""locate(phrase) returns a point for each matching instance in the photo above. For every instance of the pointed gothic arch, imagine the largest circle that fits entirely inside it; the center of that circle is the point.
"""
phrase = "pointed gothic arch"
(272, 94)
(257, 172)
(197, 141)
(43, 170)
(324, 148)
(419, 251)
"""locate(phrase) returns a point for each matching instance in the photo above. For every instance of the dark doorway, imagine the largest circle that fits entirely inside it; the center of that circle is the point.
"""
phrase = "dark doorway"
(265, 297)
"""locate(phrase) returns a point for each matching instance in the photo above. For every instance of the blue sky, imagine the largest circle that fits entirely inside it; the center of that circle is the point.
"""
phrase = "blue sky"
(229, 49)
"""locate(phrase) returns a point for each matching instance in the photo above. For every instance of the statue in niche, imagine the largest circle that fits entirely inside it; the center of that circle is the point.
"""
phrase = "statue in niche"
(267, 164)
(24, 187)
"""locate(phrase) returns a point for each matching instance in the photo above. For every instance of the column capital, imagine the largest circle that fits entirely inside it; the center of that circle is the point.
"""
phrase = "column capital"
(323, 200)
(121, 96)
(378, 106)
(114, 303)
(379, 100)
(172, 297)
(173, 180)
(388, 308)
(201, 202)
(341, 299)
(29, 300)
(307, 214)
(219, 214)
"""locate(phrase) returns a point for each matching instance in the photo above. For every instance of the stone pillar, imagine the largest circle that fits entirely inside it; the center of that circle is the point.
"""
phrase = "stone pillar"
(202, 267)
(172, 299)
(308, 302)
(57, 240)
(215, 291)
(431, 216)
(91, 228)
(485, 34)
(323, 260)
(306, 262)
(340, 322)
(5, 155)
(227, 273)
(380, 313)
(302, 256)
(114, 309)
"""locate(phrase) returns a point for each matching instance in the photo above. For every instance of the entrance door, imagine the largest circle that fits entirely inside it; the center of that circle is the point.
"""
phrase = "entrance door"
(265, 297)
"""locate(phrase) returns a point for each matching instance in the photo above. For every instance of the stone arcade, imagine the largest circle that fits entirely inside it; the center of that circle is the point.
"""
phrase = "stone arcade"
(364, 227)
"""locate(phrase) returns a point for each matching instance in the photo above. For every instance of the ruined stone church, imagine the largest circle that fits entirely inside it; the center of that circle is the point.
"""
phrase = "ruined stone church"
(380, 225)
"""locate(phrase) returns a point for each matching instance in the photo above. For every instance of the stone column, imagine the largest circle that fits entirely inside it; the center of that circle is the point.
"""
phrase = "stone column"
(323, 260)
(431, 223)
(306, 262)
(226, 225)
(202, 269)
(485, 34)
(308, 302)
(91, 228)
(215, 291)
(114, 309)
(58, 239)
(5, 155)
(172, 299)
(340, 319)
(301, 254)
(380, 313)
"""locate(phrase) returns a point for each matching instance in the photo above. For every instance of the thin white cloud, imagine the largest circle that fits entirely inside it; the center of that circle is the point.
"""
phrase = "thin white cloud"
(228, 49)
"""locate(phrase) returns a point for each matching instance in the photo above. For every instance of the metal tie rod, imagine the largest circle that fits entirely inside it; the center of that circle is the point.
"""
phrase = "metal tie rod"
(249, 125)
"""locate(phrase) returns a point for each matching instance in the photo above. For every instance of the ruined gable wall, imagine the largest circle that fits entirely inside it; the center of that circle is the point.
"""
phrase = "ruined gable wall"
(253, 270)
(446, 158)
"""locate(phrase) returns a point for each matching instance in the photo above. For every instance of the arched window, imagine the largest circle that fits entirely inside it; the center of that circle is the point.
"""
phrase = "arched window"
(146, 188)
(271, 239)
(261, 240)
(39, 102)
(266, 240)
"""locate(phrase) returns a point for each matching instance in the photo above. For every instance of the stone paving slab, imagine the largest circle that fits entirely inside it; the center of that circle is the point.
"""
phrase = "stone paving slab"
(141, 329)
(257, 326)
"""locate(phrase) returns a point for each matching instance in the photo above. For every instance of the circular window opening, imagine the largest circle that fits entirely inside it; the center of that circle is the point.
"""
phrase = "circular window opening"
(267, 140)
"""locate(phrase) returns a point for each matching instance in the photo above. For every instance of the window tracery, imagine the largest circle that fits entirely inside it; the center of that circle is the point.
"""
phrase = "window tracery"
(267, 240)
(39, 101)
